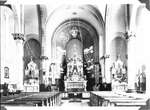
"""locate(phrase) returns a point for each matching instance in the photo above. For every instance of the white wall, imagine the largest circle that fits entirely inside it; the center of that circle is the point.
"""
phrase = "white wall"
(8, 46)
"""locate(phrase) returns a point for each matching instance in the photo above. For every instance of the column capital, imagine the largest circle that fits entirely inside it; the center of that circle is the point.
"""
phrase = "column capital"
(129, 35)
(18, 36)
(104, 57)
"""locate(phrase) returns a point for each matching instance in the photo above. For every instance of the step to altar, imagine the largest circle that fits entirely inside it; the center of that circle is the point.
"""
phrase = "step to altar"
(84, 95)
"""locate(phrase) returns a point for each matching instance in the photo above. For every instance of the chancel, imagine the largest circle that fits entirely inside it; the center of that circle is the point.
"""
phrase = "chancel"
(83, 55)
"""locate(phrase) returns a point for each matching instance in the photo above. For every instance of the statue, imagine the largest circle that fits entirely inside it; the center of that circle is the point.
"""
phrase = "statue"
(118, 65)
(119, 74)
(32, 72)
(142, 79)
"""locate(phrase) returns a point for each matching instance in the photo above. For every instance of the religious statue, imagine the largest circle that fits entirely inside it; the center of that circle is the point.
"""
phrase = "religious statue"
(118, 65)
(32, 72)
(141, 80)
(119, 73)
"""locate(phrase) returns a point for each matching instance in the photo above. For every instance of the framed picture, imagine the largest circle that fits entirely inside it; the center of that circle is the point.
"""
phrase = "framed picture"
(6, 72)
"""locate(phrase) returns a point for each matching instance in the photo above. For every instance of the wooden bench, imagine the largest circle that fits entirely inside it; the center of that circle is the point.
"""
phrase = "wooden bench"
(113, 99)
(40, 99)
(46, 99)
(20, 103)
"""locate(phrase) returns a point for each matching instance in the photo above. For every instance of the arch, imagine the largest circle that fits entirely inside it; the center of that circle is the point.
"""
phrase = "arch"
(32, 36)
(118, 46)
(32, 47)
(67, 13)
(81, 24)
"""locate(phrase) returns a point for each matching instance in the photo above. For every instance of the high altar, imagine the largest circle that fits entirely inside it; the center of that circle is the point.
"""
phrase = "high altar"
(75, 80)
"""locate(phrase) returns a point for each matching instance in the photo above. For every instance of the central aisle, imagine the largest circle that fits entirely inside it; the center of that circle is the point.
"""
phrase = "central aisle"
(76, 102)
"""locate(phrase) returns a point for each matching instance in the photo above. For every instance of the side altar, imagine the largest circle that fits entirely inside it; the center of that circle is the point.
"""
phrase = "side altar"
(31, 78)
(119, 75)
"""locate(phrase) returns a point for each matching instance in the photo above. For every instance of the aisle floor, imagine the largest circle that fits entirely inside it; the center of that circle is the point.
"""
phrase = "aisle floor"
(75, 102)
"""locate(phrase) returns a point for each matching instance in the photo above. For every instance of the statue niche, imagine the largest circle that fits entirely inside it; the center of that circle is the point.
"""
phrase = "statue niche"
(31, 73)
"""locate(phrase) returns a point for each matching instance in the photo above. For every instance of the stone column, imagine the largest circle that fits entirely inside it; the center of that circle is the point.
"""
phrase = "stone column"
(19, 24)
(43, 68)
(106, 73)
(132, 69)
(42, 27)
(107, 69)
(101, 53)
(2, 2)
(19, 38)
(0, 43)
(131, 62)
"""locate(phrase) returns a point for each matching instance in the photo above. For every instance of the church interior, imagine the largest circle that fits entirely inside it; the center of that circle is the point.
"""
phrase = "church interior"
(75, 54)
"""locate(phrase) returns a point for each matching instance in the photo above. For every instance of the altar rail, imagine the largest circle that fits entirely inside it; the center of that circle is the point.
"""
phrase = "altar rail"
(111, 99)
(75, 86)
(34, 99)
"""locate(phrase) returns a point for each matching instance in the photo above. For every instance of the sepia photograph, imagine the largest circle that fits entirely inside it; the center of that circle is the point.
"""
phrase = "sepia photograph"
(74, 54)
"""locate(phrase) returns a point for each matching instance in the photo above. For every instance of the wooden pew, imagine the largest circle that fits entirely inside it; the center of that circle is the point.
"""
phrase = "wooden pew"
(46, 99)
(20, 103)
(10, 97)
(126, 102)
(113, 99)
(40, 99)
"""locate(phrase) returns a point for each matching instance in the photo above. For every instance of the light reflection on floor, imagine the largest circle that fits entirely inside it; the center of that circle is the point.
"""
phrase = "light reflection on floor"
(75, 102)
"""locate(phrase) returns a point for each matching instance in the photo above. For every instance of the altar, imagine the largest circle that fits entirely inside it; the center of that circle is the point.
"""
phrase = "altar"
(119, 75)
(31, 79)
(72, 86)
(75, 80)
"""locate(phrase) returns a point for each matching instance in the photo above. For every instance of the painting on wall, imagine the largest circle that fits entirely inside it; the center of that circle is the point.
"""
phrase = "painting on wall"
(6, 72)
